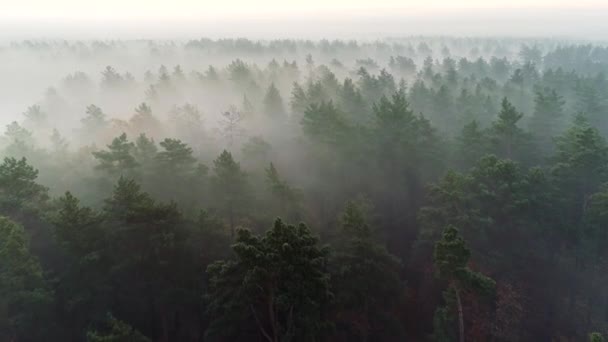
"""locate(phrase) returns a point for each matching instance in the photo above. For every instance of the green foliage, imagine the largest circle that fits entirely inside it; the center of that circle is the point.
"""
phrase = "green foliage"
(471, 144)
(596, 337)
(403, 142)
(351, 101)
(77, 228)
(548, 118)
(94, 121)
(118, 159)
(256, 151)
(20, 141)
(355, 219)
(135, 238)
(285, 198)
(273, 103)
(442, 331)
(19, 191)
(231, 188)
(299, 101)
(144, 151)
(176, 158)
(580, 167)
(117, 331)
(144, 120)
(279, 280)
(508, 139)
(368, 279)
(35, 117)
(325, 123)
(582, 150)
(59, 144)
(451, 257)
(451, 254)
(24, 297)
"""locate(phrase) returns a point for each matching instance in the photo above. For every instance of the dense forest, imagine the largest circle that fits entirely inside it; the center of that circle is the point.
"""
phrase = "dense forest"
(411, 189)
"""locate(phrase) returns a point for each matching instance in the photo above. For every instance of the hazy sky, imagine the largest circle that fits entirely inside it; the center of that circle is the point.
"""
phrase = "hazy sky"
(174, 9)
(302, 18)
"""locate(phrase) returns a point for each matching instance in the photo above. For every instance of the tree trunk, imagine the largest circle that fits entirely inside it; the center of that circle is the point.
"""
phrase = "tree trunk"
(260, 326)
(273, 318)
(460, 314)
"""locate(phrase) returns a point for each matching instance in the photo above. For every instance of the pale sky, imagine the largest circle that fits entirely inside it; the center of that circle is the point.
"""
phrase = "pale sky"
(192, 9)
(126, 19)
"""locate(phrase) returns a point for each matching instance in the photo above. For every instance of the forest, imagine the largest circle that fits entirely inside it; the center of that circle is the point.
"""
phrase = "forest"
(400, 189)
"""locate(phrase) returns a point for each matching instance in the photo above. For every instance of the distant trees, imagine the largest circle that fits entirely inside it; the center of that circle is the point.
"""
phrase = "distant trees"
(462, 185)
(111, 78)
(231, 125)
(547, 121)
(187, 122)
(273, 103)
(94, 121)
(143, 121)
(35, 117)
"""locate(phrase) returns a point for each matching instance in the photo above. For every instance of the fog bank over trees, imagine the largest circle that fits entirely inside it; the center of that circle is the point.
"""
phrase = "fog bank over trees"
(420, 188)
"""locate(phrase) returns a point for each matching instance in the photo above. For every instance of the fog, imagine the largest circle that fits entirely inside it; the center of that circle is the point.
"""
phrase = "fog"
(303, 171)
(570, 22)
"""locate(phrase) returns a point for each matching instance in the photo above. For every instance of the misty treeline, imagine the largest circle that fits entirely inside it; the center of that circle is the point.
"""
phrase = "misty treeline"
(398, 190)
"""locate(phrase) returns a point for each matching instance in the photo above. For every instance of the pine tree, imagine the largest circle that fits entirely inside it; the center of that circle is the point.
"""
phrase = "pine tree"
(351, 101)
(94, 121)
(118, 159)
(285, 198)
(24, 297)
(145, 151)
(231, 188)
(580, 165)
(368, 278)
(508, 139)
(59, 144)
(471, 145)
(152, 272)
(35, 117)
(325, 123)
(277, 280)
(20, 141)
(231, 125)
(547, 120)
(451, 257)
(19, 192)
(144, 121)
(299, 101)
(273, 103)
